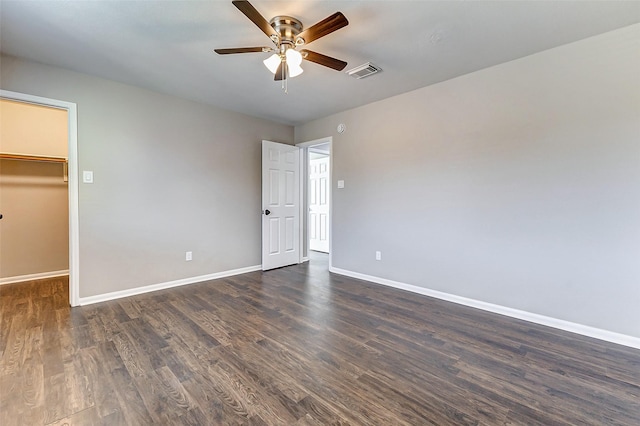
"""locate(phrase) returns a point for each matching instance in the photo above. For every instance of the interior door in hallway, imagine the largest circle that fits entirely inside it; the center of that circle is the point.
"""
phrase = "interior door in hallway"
(280, 204)
(319, 204)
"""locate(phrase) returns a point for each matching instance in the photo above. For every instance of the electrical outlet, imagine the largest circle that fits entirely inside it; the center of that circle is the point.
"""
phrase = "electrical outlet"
(378, 255)
(189, 256)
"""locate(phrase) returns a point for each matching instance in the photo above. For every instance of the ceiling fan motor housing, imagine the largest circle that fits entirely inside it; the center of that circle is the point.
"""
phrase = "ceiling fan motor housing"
(288, 28)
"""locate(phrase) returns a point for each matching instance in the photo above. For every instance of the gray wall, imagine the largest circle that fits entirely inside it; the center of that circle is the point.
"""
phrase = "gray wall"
(170, 176)
(517, 185)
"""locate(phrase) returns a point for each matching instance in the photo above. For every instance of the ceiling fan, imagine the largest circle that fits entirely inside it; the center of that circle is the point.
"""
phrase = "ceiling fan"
(287, 34)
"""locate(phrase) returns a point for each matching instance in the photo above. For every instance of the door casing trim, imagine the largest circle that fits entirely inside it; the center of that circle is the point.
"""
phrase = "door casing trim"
(73, 193)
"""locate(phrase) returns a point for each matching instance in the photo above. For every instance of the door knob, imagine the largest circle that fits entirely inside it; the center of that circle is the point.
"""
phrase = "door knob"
(267, 212)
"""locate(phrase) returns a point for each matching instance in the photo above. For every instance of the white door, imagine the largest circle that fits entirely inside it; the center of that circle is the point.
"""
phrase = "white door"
(319, 204)
(280, 204)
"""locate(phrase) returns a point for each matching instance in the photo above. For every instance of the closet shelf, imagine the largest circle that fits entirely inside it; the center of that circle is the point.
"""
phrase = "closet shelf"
(41, 158)
(29, 157)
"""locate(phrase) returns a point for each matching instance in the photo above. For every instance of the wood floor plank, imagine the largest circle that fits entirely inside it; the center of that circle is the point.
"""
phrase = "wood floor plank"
(88, 416)
(160, 405)
(11, 405)
(131, 403)
(95, 363)
(216, 404)
(297, 346)
(266, 401)
(55, 398)
(261, 366)
(434, 386)
(32, 386)
(13, 354)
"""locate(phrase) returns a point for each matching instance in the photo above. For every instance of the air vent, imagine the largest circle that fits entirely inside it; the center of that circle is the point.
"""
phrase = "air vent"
(364, 70)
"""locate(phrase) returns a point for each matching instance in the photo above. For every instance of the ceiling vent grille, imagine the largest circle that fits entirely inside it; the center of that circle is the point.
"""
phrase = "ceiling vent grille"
(364, 70)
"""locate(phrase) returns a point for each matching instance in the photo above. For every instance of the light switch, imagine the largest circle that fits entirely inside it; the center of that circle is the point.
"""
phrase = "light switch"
(87, 176)
(340, 184)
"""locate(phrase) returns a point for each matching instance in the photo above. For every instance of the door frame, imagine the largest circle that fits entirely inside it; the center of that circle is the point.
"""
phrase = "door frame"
(304, 206)
(72, 162)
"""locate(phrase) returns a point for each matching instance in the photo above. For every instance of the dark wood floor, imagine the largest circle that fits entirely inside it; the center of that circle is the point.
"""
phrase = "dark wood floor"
(297, 346)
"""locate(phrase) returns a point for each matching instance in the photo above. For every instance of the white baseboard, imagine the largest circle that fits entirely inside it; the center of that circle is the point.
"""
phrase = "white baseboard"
(305, 259)
(31, 277)
(161, 286)
(597, 333)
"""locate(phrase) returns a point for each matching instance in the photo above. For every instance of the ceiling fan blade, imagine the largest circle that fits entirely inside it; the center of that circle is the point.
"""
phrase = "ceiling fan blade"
(281, 72)
(324, 27)
(255, 17)
(242, 50)
(325, 60)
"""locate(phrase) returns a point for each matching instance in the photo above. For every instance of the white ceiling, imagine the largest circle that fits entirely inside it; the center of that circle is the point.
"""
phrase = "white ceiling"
(167, 46)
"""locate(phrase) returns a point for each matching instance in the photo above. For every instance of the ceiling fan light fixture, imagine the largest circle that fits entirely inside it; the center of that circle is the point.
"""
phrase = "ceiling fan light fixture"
(294, 59)
(294, 70)
(272, 63)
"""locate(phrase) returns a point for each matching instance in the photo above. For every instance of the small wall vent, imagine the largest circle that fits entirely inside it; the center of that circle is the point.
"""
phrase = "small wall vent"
(364, 70)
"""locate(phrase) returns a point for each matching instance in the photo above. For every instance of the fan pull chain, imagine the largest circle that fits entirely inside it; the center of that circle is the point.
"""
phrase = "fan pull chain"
(285, 80)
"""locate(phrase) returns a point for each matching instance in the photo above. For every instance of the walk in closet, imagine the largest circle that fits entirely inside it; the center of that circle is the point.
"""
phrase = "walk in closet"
(34, 229)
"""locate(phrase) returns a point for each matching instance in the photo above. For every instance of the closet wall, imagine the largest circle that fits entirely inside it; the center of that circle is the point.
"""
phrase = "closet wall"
(34, 231)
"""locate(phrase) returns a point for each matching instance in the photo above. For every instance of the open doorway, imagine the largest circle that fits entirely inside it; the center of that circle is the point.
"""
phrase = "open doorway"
(29, 164)
(319, 200)
(316, 232)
